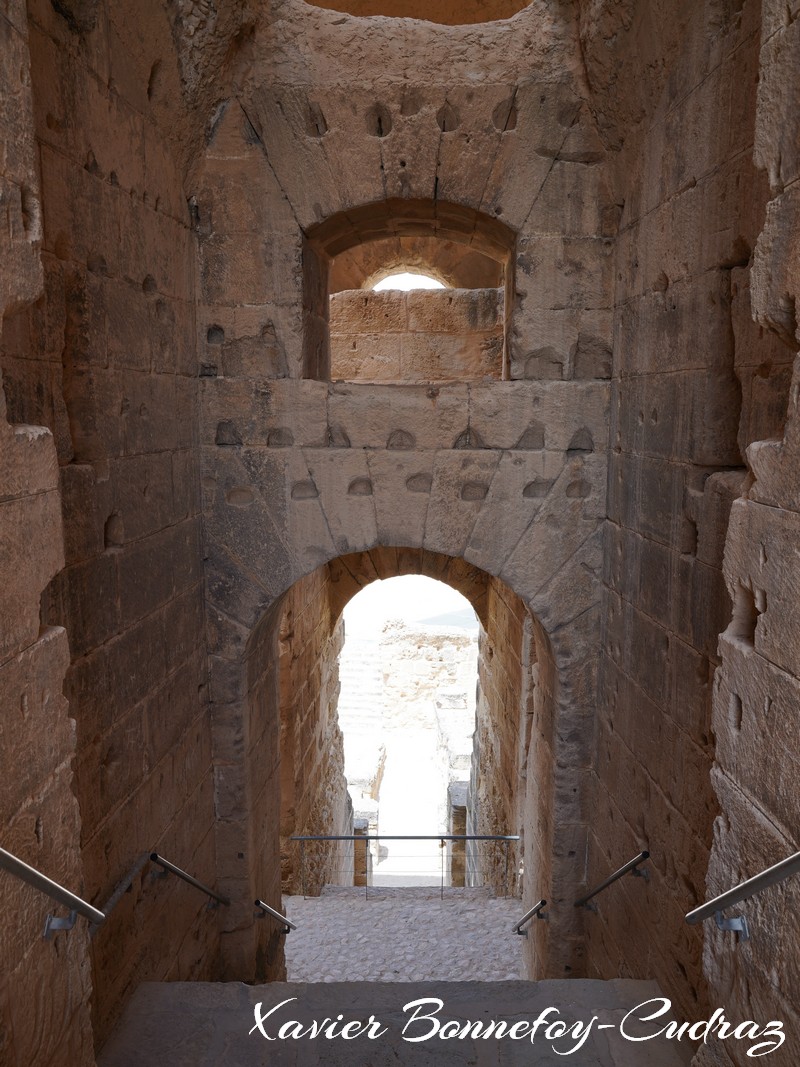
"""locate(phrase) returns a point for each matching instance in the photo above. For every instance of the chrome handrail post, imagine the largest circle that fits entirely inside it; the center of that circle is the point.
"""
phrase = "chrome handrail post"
(266, 910)
(536, 911)
(53, 924)
(217, 898)
(779, 872)
(735, 924)
(31, 876)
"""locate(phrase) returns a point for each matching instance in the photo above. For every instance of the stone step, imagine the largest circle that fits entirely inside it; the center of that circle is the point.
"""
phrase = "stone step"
(186, 1024)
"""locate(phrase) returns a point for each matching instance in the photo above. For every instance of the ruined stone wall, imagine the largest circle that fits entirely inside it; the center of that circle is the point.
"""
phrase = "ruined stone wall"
(314, 798)
(505, 662)
(757, 687)
(247, 767)
(418, 336)
(417, 661)
(45, 985)
(106, 360)
(426, 714)
(693, 382)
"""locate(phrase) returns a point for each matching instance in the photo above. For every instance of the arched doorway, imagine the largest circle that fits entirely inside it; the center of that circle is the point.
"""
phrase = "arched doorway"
(290, 694)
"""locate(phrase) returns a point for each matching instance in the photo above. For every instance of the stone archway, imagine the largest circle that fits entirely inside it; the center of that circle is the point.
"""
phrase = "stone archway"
(522, 689)
(505, 476)
(528, 518)
(516, 690)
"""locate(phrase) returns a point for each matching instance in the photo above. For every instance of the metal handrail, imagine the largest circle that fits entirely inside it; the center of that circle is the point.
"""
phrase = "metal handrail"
(76, 905)
(267, 910)
(123, 887)
(535, 910)
(172, 869)
(406, 837)
(303, 839)
(631, 865)
(772, 876)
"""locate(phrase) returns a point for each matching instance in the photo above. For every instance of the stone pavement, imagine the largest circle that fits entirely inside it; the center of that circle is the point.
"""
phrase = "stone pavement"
(403, 935)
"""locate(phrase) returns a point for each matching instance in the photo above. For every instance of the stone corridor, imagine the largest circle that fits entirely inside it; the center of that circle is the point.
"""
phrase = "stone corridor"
(214, 434)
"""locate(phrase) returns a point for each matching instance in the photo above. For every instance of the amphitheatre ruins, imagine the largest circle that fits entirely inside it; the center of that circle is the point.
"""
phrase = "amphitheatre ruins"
(215, 431)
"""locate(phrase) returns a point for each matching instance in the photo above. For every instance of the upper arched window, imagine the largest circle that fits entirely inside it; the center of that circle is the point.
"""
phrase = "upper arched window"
(405, 281)
(413, 292)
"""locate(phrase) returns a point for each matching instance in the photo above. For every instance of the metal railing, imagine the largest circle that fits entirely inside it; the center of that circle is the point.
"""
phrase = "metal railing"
(170, 868)
(714, 908)
(631, 866)
(122, 888)
(361, 869)
(96, 917)
(76, 905)
(536, 911)
(266, 910)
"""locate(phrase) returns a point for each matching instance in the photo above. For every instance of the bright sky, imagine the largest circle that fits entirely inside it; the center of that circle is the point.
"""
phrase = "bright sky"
(411, 597)
(406, 281)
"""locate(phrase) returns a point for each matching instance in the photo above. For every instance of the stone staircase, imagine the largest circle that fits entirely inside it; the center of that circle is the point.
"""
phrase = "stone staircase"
(362, 690)
(361, 718)
(366, 957)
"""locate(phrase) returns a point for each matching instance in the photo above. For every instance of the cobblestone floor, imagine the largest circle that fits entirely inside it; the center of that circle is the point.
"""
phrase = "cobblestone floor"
(403, 935)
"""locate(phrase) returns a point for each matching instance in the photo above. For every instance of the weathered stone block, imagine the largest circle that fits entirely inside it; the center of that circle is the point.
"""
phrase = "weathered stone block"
(432, 416)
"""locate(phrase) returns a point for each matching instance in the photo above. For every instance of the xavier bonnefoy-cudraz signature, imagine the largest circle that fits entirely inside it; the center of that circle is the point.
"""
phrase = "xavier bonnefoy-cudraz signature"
(425, 1020)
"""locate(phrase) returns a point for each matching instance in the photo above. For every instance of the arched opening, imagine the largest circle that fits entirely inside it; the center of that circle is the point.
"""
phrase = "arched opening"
(360, 328)
(406, 281)
(445, 12)
(408, 674)
(514, 703)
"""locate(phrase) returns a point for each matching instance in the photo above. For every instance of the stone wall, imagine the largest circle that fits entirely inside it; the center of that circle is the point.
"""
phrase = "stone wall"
(757, 687)
(506, 658)
(694, 382)
(424, 335)
(45, 985)
(105, 359)
(314, 798)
